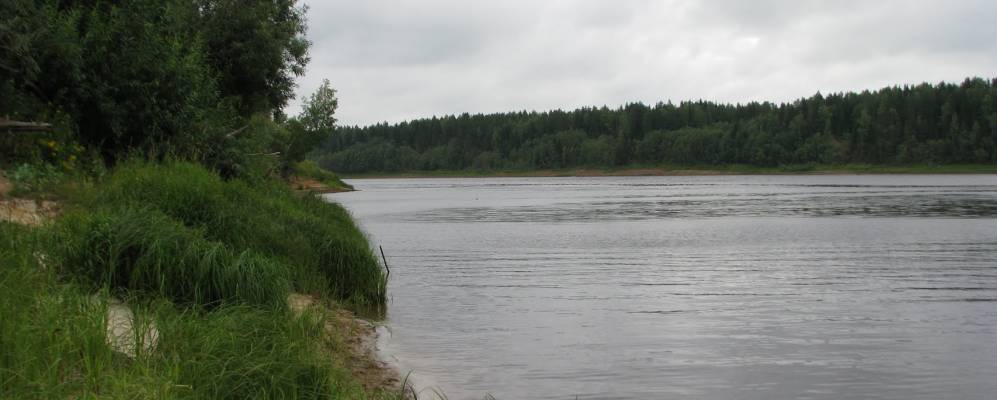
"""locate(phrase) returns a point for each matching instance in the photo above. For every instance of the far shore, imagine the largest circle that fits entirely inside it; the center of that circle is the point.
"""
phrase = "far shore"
(848, 169)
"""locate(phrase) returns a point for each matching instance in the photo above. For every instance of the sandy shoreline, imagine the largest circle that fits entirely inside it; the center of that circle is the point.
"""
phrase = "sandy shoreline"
(308, 185)
(359, 336)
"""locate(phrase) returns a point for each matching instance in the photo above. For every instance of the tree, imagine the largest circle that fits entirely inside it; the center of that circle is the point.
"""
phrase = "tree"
(319, 110)
(316, 122)
(129, 77)
(921, 124)
(258, 47)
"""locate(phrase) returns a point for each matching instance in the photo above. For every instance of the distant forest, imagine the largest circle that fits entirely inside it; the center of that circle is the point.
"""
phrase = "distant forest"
(945, 123)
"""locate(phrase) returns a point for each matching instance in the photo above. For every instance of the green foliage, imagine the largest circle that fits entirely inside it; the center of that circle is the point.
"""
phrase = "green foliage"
(54, 344)
(154, 95)
(924, 124)
(316, 122)
(316, 243)
(145, 251)
(47, 328)
(253, 151)
(30, 178)
(256, 47)
(379, 155)
(319, 109)
(241, 353)
(154, 79)
(209, 261)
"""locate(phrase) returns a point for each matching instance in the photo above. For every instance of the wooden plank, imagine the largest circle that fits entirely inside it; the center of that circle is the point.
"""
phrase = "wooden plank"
(21, 126)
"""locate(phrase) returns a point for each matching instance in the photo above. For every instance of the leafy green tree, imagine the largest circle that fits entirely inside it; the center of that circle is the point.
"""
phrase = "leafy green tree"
(156, 94)
(319, 109)
(316, 122)
(158, 78)
(258, 48)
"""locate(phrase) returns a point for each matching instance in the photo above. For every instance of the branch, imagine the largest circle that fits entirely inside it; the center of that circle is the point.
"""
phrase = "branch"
(274, 154)
(236, 132)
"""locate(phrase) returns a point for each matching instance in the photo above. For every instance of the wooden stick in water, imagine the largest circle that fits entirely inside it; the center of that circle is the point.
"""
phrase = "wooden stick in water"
(385, 262)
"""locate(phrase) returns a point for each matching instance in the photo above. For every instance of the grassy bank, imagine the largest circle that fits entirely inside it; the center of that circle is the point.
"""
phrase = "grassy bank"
(686, 170)
(308, 175)
(210, 264)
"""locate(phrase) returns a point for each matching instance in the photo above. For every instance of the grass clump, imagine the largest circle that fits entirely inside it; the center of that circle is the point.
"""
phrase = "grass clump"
(237, 352)
(316, 243)
(143, 250)
(52, 334)
(54, 344)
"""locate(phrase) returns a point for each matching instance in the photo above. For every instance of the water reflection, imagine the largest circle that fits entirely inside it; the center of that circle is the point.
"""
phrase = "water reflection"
(951, 205)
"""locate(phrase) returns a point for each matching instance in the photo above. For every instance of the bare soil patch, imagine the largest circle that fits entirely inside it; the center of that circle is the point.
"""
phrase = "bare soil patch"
(314, 186)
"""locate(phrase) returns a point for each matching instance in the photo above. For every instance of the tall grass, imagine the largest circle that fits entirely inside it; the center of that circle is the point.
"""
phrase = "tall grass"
(52, 334)
(238, 352)
(210, 263)
(316, 243)
(52, 343)
(143, 250)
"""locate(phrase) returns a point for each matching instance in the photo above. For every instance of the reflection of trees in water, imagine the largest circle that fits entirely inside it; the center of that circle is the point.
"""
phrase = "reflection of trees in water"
(945, 205)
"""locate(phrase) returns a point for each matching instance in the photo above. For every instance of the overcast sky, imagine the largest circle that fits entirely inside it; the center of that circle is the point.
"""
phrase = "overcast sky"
(398, 60)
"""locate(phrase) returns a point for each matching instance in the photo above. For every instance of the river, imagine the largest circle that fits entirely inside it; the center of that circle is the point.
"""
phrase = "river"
(709, 287)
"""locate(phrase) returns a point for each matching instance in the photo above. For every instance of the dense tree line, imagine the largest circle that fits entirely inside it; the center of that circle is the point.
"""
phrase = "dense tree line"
(922, 124)
(193, 79)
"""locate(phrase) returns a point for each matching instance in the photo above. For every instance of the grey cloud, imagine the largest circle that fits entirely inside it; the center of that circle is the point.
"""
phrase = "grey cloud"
(396, 60)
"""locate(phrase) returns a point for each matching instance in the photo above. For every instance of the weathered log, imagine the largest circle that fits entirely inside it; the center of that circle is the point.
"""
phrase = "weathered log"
(21, 126)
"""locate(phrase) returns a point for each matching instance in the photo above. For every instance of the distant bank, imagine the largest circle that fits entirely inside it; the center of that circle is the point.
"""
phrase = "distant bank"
(845, 169)
(940, 124)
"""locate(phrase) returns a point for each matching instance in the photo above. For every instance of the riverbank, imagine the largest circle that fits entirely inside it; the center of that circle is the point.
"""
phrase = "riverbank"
(308, 185)
(358, 336)
(229, 289)
(845, 169)
(310, 177)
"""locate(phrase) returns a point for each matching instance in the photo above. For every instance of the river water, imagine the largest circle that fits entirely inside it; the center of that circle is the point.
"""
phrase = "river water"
(712, 287)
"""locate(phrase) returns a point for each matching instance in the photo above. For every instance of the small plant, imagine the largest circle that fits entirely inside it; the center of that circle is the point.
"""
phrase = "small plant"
(30, 178)
(65, 155)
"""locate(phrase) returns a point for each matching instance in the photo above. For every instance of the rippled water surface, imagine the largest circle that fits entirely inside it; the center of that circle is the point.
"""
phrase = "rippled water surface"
(731, 287)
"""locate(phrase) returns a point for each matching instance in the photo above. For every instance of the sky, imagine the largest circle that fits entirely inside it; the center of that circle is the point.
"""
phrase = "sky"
(395, 60)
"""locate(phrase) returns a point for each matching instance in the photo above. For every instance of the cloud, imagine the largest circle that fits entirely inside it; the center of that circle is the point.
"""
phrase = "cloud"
(397, 60)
